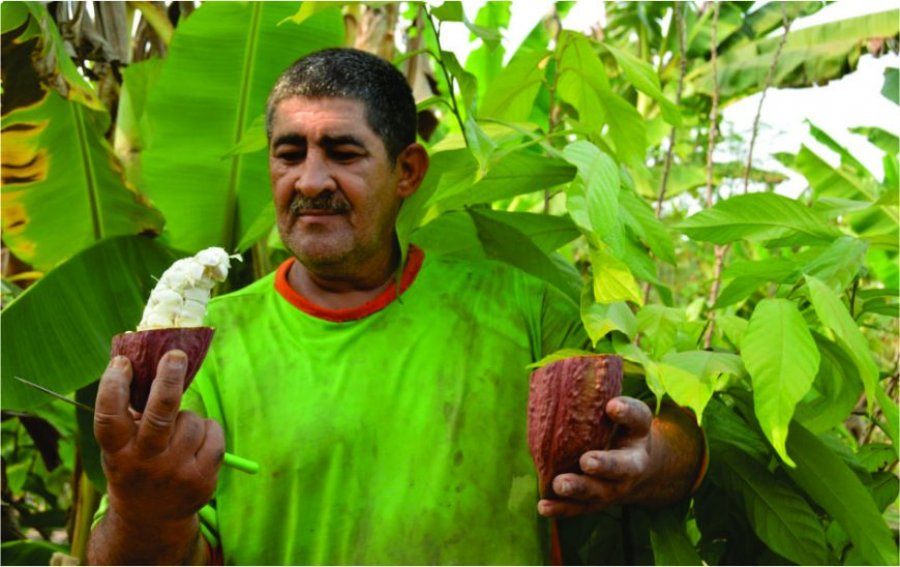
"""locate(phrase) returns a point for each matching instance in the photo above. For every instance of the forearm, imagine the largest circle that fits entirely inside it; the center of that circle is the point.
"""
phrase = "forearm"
(677, 452)
(116, 542)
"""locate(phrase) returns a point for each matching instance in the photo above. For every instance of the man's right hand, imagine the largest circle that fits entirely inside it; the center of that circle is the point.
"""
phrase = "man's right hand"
(161, 466)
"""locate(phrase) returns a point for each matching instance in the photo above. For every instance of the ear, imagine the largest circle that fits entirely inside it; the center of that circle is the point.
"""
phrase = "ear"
(413, 164)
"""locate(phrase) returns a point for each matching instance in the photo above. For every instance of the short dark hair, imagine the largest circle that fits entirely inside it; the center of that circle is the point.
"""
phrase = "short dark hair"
(390, 108)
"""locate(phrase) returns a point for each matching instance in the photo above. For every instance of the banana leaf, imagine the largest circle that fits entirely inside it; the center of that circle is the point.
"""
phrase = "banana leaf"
(811, 56)
(63, 187)
(214, 83)
(58, 332)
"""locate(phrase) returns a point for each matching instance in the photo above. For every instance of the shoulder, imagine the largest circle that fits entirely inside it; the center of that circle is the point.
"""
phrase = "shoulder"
(248, 297)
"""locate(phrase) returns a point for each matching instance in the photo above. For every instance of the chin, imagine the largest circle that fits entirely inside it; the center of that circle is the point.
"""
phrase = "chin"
(317, 253)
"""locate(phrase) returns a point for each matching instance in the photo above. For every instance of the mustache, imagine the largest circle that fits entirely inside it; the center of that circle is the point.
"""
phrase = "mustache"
(327, 201)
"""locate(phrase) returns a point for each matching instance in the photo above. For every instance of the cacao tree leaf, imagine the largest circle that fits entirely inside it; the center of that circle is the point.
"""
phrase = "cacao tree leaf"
(456, 235)
(505, 243)
(782, 359)
(639, 217)
(468, 83)
(723, 426)
(685, 387)
(63, 187)
(753, 216)
(518, 172)
(601, 319)
(833, 486)
(640, 74)
(706, 363)
(839, 263)
(511, 96)
(613, 281)
(659, 325)
(600, 180)
(779, 516)
(733, 327)
(450, 11)
(63, 324)
(834, 315)
(888, 142)
(221, 64)
(486, 61)
(30, 552)
(561, 354)
(670, 541)
(834, 392)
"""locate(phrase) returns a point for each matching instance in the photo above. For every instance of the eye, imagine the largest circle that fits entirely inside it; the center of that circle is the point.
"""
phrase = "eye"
(344, 155)
(290, 155)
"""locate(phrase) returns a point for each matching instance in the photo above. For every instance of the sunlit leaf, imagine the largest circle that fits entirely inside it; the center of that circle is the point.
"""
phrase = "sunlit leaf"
(601, 319)
(659, 325)
(613, 281)
(600, 179)
(511, 95)
(782, 359)
(755, 215)
(891, 88)
(639, 217)
(685, 387)
(644, 78)
(835, 391)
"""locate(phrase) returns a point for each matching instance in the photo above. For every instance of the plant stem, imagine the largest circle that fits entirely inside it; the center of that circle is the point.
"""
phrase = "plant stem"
(667, 166)
(447, 77)
(710, 147)
(87, 499)
(769, 76)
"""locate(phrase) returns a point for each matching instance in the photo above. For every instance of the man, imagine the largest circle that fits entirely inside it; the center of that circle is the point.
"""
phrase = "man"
(387, 413)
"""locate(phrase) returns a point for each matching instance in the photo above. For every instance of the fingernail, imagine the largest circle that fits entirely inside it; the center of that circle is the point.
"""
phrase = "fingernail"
(177, 360)
(119, 362)
(592, 463)
(566, 487)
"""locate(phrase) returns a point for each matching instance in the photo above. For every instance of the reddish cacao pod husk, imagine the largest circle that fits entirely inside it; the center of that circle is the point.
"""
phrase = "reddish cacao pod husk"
(567, 413)
(145, 348)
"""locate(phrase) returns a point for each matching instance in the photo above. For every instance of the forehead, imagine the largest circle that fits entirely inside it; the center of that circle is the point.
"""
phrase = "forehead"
(313, 117)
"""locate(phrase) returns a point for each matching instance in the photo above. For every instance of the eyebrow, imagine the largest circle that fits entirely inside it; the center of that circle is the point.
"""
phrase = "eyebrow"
(328, 142)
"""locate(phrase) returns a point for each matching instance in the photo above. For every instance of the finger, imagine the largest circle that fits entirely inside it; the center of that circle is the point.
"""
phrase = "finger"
(617, 464)
(630, 413)
(161, 412)
(565, 508)
(212, 451)
(113, 426)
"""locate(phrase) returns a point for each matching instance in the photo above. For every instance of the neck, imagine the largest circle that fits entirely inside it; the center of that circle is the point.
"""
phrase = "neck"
(346, 285)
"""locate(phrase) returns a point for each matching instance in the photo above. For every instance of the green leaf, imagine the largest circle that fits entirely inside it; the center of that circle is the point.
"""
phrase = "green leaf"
(468, 83)
(222, 62)
(779, 516)
(310, 9)
(839, 263)
(613, 281)
(511, 95)
(521, 171)
(756, 215)
(671, 544)
(659, 325)
(601, 319)
(454, 233)
(834, 315)
(733, 326)
(723, 426)
(888, 142)
(891, 88)
(600, 177)
(706, 363)
(685, 387)
(782, 359)
(825, 477)
(73, 312)
(450, 11)
(643, 77)
(30, 552)
(835, 391)
(505, 243)
(640, 218)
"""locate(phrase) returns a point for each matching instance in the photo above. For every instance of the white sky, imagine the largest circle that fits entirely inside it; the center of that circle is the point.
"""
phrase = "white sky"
(855, 100)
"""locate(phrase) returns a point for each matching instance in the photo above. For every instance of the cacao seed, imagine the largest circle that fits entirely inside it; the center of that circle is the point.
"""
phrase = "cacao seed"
(145, 348)
(567, 413)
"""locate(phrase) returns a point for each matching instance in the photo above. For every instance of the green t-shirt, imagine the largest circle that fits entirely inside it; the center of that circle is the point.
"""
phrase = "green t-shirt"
(395, 437)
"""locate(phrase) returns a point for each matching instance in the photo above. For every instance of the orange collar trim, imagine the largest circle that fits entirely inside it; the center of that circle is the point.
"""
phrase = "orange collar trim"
(382, 300)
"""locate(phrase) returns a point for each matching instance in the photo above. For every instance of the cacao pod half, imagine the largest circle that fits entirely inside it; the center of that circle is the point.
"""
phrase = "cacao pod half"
(145, 348)
(567, 413)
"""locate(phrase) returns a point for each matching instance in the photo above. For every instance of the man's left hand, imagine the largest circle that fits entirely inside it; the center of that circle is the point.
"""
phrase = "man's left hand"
(613, 476)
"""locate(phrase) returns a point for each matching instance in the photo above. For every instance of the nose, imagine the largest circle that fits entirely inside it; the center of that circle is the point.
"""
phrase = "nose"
(315, 176)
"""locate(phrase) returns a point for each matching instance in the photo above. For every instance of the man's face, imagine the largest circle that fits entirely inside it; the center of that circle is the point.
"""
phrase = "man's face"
(336, 193)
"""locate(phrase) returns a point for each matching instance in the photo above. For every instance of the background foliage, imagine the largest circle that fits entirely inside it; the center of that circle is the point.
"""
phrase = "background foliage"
(133, 134)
